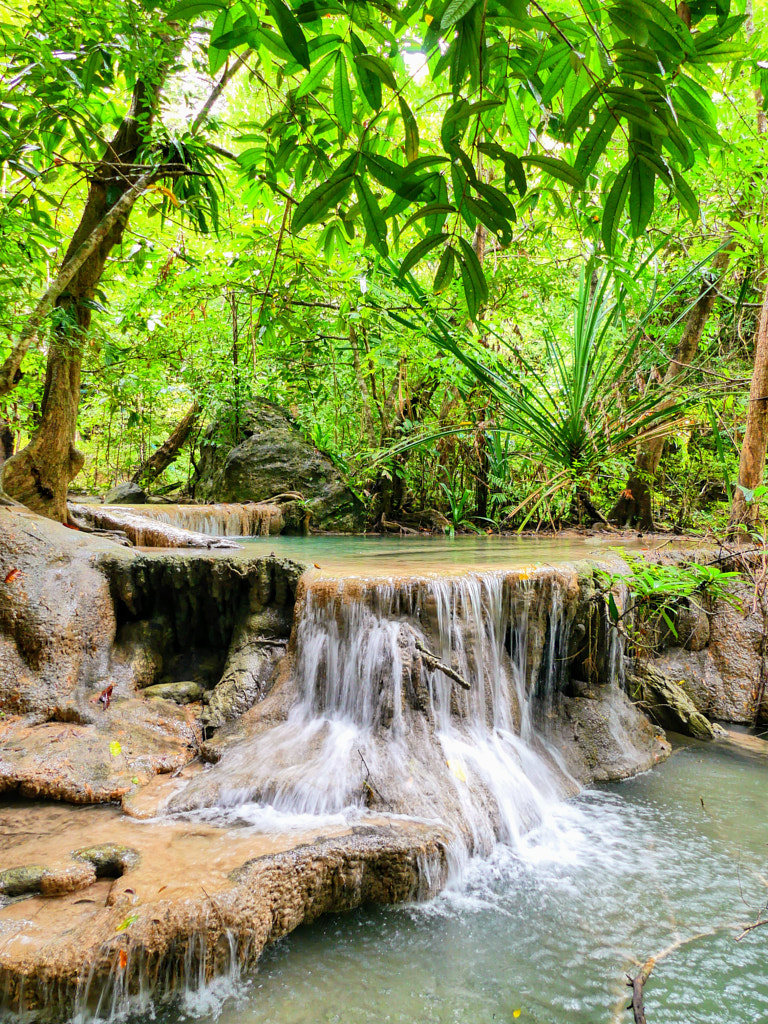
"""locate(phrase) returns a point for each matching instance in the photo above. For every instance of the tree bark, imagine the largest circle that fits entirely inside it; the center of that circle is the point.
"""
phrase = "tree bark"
(39, 475)
(633, 506)
(753, 450)
(160, 460)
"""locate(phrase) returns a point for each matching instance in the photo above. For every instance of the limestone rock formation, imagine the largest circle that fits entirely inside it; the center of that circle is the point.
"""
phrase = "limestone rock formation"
(85, 625)
(267, 456)
(127, 493)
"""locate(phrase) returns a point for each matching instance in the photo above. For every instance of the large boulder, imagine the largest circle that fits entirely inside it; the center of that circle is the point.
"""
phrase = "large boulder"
(265, 455)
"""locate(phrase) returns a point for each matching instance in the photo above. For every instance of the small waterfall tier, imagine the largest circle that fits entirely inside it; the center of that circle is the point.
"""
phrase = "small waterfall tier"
(436, 698)
(167, 526)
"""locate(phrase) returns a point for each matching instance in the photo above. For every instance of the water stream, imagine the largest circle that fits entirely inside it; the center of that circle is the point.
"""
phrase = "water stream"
(616, 875)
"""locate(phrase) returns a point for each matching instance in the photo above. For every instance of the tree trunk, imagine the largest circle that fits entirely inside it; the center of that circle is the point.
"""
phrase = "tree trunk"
(6, 442)
(158, 462)
(753, 449)
(633, 506)
(39, 475)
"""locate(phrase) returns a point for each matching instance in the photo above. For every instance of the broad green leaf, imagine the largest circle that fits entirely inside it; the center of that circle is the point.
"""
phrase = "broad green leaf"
(594, 142)
(316, 75)
(411, 129)
(420, 250)
(373, 220)
(377, 67)
(455, 10)
(429, 210)
(557, 168)
(686, 196)
(641, 196)
(497, 199)
(493, 220)
(614, 207)
(342, 94)
(454, 125)
(472, 274)
(187, 9)
(290, 30)
(444, 273)
(321, 199)
(511, 162)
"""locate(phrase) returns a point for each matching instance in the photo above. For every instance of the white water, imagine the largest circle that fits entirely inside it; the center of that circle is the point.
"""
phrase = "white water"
(373, 726)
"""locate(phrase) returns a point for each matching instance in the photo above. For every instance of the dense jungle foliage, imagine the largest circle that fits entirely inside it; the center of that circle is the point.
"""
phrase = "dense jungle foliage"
(460, 241)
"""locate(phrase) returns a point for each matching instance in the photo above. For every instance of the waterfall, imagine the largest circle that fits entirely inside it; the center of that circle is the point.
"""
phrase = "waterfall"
(164, 526)
(375, 726)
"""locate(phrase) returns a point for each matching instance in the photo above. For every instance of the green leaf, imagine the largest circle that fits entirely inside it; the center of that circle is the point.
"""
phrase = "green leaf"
(319, 201)
(420, 250)
(493, 220)
(342, 94)
(454, 125)
(614, 207)
(595, 141)
(290, 30)
(316, 75)
(370, 85)
(641, 196)
(511, 163)
(558, 169)
(187, 9)
(429, 210)
(444, 274)
(473, 279)
(497, 199)
(127, 922)
(685, 195)
(613, 611)
(378, 67)
(374, 222)
(411, 130)
(455, 10)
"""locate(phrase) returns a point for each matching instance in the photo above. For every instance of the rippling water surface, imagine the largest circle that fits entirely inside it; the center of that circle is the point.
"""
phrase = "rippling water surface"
(550, 931)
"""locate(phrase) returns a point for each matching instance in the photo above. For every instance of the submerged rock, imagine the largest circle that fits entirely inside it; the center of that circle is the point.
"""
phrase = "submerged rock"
(265, 456)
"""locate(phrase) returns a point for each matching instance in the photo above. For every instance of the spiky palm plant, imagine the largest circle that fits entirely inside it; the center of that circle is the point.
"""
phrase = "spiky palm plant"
(574, 412)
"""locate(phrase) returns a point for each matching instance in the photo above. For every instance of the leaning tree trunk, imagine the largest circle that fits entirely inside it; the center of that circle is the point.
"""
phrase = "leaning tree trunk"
(167, 452)
(634, 503)
(39, 475)
(753, 449)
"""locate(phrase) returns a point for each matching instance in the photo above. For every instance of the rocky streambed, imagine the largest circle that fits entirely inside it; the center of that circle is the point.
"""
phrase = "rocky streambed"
(237, 746)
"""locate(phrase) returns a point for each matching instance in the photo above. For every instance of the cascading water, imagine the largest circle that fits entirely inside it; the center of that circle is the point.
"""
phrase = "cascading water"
(376, 725)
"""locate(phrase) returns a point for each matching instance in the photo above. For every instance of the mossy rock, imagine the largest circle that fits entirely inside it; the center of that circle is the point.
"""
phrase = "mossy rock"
(111, 860)
(23, 881)
(184, 692)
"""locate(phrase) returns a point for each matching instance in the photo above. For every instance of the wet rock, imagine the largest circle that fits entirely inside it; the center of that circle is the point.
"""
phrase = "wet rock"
(267, 456)
(67, 878)
(182, 692)
(21, 881)
(109, 860)
(667, 703)
(127, 493)
(125, 745)
(603, 737)
(692, 625)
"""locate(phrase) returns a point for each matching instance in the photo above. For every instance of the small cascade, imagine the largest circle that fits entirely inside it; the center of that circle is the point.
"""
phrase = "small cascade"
(167, 526)
(426, 697)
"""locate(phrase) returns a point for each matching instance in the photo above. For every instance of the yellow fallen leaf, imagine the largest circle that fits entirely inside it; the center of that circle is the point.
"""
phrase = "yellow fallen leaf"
(115, 749)
(517, 1013)
(428, 18)
(458, 770)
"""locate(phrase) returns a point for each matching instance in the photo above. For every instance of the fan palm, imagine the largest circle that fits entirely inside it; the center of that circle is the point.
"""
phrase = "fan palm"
(572, 411)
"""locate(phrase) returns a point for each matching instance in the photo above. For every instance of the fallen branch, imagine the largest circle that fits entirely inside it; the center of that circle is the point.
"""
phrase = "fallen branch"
(431, 661)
